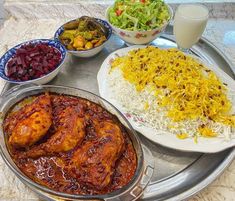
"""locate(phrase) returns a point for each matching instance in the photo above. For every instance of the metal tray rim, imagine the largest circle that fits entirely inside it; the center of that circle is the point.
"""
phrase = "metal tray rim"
(216, 171)
(204, 183)
(229, 158)
(227, 161)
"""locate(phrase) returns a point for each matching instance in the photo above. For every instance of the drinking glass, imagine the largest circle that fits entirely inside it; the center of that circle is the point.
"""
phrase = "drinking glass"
(189, 23)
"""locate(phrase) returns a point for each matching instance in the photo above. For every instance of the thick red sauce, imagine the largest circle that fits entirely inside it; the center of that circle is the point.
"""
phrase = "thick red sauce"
(52, 171)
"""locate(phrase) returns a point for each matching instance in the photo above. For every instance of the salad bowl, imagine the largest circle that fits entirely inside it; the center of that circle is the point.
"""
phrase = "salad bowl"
(138, 37)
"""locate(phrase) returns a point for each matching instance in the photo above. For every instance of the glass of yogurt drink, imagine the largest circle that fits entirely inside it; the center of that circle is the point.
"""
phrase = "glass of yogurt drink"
(189, 23)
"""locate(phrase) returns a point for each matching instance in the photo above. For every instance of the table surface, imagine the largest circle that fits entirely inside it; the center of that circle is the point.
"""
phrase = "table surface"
(220, 31)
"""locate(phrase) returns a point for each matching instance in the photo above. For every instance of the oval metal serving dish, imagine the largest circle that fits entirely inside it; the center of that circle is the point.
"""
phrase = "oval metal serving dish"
(131, 191)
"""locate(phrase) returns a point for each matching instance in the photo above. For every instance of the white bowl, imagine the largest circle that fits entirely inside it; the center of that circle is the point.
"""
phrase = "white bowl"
(42, 80)
(46, 78)
(139, 37)
(90, 52)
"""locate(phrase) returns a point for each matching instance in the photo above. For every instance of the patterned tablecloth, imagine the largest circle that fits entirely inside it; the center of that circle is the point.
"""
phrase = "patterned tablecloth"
(33, 20)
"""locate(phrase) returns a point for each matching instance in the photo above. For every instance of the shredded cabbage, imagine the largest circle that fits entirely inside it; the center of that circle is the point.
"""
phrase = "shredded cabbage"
(138, 15)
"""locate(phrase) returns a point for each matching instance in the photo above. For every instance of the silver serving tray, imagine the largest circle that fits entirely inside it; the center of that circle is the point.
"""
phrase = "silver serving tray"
(177, 175)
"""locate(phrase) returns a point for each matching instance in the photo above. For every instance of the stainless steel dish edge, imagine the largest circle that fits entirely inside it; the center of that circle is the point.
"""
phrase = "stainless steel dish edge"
(130, 192)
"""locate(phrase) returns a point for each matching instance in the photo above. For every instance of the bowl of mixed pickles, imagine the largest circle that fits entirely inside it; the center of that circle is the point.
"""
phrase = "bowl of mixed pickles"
(85, 36)
(138, 22)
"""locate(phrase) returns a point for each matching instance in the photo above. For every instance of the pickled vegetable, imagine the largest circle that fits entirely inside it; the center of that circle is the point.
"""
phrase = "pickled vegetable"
(83, 34)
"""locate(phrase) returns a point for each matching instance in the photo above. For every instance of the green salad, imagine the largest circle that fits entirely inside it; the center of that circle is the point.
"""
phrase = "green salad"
(138, 15)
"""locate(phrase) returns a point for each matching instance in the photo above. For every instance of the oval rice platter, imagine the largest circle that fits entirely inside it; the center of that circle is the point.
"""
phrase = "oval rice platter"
(152, 121)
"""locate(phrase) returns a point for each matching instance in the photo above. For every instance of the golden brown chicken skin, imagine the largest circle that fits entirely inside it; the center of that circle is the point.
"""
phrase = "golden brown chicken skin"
(30, 123)
(93, 163)
(70, 132)
(86, 150)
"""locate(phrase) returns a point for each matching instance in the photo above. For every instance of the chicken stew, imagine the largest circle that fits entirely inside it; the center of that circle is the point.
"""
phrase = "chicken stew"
(70, 144)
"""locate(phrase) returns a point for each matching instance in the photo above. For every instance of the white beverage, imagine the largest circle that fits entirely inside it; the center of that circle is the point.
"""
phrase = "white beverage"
(189, 23)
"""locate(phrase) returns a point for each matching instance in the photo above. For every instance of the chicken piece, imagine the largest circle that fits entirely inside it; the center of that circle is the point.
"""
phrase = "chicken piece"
(30, 123)
(70, 132)
(93, 163)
